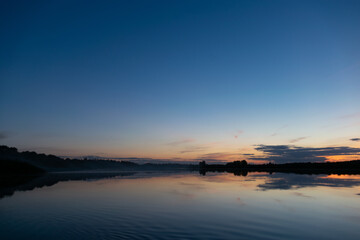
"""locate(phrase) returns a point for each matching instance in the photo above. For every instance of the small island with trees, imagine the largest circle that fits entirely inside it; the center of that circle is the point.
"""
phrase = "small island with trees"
(242, 167)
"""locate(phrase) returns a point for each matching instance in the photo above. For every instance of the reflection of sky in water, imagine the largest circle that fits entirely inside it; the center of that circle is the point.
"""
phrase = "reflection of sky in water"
(178, 206)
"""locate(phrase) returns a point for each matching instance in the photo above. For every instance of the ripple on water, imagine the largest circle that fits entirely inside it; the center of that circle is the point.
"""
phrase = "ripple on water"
(93, 212)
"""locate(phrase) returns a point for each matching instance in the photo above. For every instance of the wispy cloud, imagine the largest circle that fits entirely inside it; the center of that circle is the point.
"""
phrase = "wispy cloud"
(239, 132)
(277, 130)
(3, 135)
(180, 142)
(221, 156)
(191, 149)
(297, 139)
(355, 139)
(289, 153)
(198, 147)
(353, 115)
(350, 120)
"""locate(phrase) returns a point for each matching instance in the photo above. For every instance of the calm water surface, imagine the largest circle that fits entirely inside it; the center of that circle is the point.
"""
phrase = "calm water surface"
(181, 206)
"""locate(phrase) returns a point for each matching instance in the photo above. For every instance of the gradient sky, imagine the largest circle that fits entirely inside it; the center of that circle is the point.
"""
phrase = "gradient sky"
(180, 79)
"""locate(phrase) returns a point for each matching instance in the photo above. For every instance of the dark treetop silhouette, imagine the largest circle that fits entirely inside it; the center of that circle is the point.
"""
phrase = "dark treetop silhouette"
(241, 167)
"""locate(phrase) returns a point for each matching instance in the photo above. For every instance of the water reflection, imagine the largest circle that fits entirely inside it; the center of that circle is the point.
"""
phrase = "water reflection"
(283, 181)
(181, 205)
(293, 181)
(10, 184)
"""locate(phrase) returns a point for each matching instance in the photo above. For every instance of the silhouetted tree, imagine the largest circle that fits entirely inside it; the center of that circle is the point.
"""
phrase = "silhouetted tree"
(202, 165)
(243, 163)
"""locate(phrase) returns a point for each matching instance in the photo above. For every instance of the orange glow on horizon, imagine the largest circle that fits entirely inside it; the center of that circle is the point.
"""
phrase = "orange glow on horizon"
(342, 158)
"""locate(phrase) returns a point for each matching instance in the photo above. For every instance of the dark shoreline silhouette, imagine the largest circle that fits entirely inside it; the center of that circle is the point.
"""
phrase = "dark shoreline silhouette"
(242, 168)
(28, 163)
(14, 162)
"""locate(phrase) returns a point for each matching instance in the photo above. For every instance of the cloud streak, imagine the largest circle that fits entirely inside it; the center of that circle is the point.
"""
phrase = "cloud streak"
(355, 139)
(277, 130)
(180, 142)
(191, 149)
(297, 139)
(219, 155)
(3, 135)
(289, 153)
(353, 115)
(239, 132)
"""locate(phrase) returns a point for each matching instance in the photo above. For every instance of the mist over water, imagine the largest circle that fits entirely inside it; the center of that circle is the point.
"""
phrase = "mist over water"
(183, 206)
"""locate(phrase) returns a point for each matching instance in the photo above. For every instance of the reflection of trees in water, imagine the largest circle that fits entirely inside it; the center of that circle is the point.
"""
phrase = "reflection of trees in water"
(11, 184)
(294, 181)
(236, 173)
(286, 181)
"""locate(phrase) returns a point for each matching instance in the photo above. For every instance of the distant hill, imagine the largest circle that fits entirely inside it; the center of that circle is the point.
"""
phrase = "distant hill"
(15, 160)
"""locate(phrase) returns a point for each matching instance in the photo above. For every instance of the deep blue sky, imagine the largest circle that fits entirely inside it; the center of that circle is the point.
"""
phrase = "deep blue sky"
(178, 79)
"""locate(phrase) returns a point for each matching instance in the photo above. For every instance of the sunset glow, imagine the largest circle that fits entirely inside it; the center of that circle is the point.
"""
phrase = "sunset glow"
(174, 84)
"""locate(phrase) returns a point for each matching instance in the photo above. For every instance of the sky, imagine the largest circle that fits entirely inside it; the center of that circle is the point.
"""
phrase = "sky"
(182, 80)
